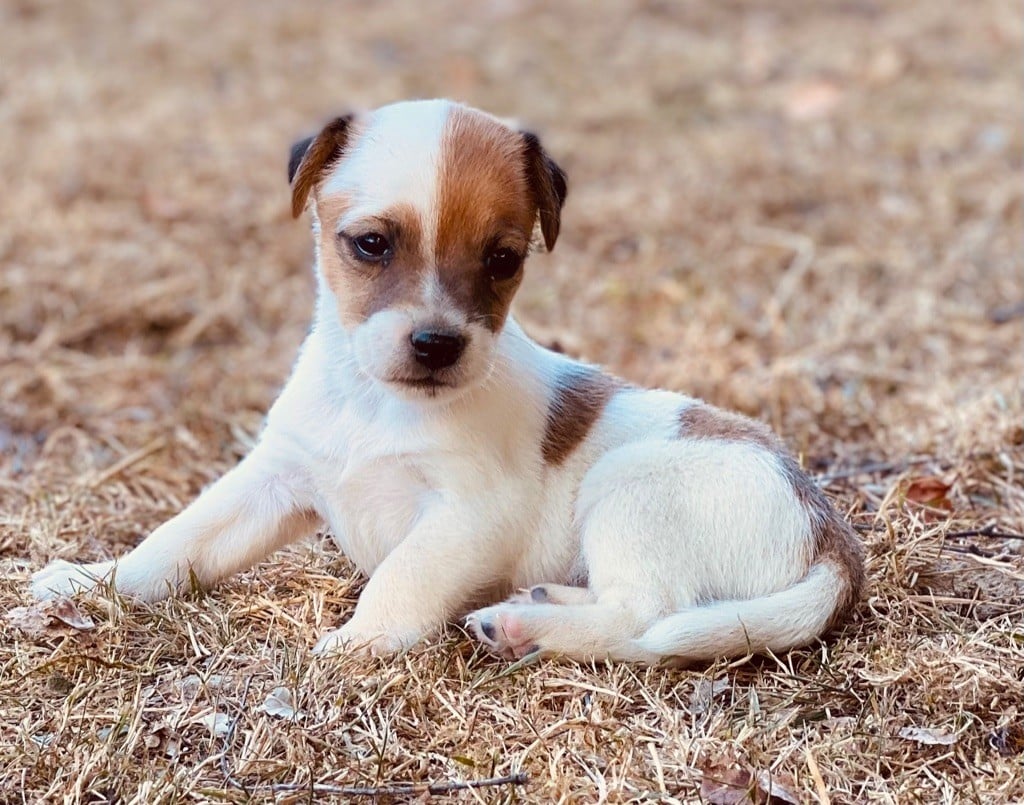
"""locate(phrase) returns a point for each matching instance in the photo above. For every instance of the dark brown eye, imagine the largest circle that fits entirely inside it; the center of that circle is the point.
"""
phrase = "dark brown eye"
(372, 247)
(503, 264)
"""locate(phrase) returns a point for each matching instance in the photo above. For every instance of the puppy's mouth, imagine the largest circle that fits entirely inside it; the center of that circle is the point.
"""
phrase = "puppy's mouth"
(430, 384)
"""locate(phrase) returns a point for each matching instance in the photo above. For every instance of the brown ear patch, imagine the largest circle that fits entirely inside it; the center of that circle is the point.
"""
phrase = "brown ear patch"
(312, 156)
(835, 541)
(578, 400)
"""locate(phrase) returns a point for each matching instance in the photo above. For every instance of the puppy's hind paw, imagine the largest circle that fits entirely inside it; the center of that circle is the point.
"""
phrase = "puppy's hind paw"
(502, 630)
(60, 578)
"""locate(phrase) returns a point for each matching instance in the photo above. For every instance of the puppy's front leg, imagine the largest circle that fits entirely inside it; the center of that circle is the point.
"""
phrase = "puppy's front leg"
(254, 509)
(429, 577)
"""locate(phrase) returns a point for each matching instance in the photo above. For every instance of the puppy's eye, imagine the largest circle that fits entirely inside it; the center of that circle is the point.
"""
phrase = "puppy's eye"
(372, 247)
(503, 264)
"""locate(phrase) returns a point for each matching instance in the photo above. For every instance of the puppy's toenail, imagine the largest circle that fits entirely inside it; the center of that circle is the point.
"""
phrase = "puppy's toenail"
(539, 595)
(488, 629)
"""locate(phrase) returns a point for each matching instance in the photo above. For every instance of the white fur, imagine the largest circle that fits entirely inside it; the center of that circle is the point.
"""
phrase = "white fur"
(397, 162)
(446, 501)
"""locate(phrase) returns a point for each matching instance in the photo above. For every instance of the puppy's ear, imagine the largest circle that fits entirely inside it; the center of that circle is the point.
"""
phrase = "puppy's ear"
(548, 186)
(312, 156)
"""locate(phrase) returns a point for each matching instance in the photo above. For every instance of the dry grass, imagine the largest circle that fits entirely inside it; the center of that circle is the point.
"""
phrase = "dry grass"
(808, 211)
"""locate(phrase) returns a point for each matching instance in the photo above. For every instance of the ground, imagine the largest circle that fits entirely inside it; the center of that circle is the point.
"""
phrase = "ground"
(810, 212)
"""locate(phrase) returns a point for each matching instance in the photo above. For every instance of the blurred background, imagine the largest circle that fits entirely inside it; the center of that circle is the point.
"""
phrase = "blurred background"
(810, 211)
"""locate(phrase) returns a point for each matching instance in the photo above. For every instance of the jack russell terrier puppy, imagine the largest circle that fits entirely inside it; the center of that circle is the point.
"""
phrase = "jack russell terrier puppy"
(457, 461)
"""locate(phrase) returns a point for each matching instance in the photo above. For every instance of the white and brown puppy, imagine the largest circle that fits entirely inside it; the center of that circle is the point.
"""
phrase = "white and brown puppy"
(457, 461)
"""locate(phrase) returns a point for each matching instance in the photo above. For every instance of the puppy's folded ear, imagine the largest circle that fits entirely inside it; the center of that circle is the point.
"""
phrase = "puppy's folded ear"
(311, 157)
(548, 185)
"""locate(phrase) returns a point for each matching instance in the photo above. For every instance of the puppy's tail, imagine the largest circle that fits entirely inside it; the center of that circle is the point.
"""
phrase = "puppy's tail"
(793, 617)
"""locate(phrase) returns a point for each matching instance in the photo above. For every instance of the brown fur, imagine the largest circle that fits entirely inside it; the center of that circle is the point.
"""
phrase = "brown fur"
(322, 152)
(485, 202)
(702, 421)
(579, 398)
(494, 184)
(835, 541)
(548, 187)
(363, 289)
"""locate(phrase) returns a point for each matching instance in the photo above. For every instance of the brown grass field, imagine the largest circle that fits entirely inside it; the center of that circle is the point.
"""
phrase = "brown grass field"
(807, 211)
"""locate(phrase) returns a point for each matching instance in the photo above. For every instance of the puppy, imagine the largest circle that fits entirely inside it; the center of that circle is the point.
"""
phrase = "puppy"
(456, 461)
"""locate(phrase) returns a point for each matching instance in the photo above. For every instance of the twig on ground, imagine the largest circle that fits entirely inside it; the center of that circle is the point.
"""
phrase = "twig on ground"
(973, 550)
(393, 789)
(132, 458)
(874, 467)
(388, 790)
(987, 531)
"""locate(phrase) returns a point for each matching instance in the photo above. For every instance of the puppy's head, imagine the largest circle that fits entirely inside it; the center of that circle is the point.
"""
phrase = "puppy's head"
(423, 214)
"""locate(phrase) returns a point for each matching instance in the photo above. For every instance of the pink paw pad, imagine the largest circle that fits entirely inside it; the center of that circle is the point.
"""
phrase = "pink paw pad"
(501, 631)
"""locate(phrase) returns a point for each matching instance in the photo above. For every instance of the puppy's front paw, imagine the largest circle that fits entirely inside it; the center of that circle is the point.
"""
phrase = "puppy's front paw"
(349, 640)
(503, 630)
(60, 578)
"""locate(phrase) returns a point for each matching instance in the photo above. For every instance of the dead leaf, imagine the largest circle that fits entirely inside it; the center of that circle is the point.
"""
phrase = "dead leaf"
(30, 620)
(281, 704)
(172, 746)
(64, 610)
(725, 784)
(928, 736)
(721, 785)
(778, 787)
(704, 694)
(192, 685)
(1007, 740)
(885, 66)
(930, 491)
(159, 207)
(812, 100)
(217, 723)
(36, 620)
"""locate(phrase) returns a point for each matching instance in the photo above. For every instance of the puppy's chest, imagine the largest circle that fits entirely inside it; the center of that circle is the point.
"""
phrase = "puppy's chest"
(371, 506)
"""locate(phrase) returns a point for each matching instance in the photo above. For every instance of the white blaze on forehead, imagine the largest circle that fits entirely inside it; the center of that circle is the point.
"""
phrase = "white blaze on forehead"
(395, 160)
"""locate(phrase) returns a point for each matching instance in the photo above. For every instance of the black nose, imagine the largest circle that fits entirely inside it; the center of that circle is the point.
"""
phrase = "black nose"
(436, 350)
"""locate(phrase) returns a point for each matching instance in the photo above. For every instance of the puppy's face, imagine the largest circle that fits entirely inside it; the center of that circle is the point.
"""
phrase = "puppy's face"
(424, 213)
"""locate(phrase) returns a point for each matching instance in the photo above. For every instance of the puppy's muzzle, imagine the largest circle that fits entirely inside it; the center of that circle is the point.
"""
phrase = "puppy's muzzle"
(437, 350)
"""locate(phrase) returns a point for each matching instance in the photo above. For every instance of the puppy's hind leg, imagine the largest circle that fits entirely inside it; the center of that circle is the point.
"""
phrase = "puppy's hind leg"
(603, 630)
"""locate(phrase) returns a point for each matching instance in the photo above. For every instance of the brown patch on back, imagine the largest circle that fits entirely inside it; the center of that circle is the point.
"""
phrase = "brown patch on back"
(578, 400)
(701, 421)
(363, 289)
(484, 202)
(835, 541)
